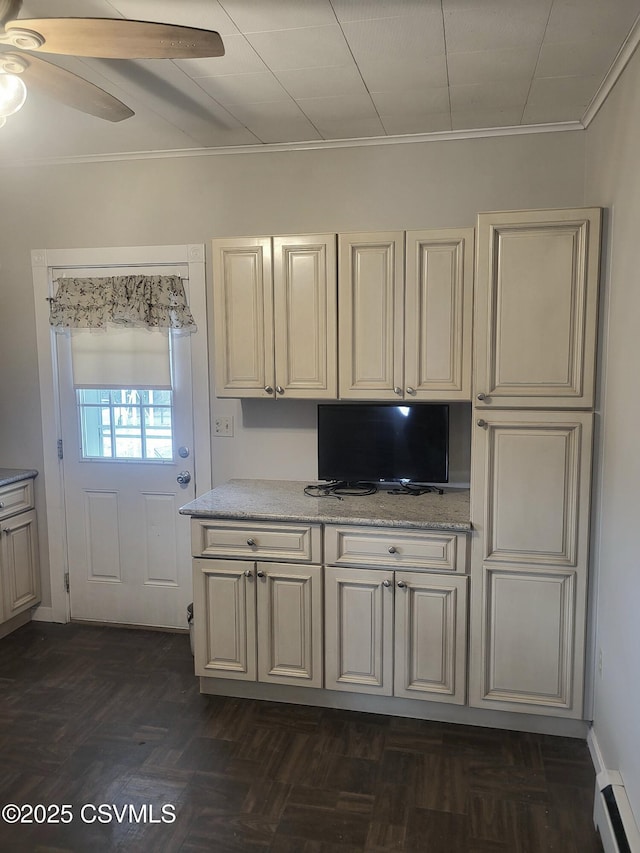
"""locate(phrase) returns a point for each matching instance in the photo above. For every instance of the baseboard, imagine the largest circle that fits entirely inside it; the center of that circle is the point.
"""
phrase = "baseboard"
(612, 813)
(43, 614)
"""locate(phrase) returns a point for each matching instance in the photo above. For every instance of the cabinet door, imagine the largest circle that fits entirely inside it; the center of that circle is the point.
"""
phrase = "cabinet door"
(438, 308)
(359, 630)
(430, 637)
(305, 296)
(19, 562)
(224, 612)
(531, 478)
(371, 299)
(243, 317)
(289, 610)
(536, 307)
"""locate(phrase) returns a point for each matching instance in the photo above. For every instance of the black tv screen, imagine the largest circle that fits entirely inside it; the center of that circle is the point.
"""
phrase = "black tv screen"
(383, 441)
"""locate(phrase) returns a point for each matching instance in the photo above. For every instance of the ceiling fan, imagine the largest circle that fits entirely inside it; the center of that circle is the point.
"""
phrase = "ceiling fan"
(104, 38)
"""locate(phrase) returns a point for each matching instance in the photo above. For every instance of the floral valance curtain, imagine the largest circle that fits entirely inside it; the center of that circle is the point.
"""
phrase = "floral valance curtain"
(151, 301)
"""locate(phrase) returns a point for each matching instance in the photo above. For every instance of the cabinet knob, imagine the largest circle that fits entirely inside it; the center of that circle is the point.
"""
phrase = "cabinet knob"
(6, 530)
(481, 422)
(251, 542)
(260, 573)
(386, 582)
(411, 390)
(481, 397)
(1, 504)
(268, 389)
(393, 549)
(402, 585)
(397, 391)
(248, 573)
(279, 389)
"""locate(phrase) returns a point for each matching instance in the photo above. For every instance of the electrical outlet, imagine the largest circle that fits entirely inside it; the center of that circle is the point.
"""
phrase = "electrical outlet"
(223, 425)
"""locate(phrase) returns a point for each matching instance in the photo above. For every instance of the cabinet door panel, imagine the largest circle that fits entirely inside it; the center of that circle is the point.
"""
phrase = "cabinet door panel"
(289, 600)
(535, 308)
(371, 315)
(358, 631)
(243, 317)
(430, 637)
(224, 607)
(528, 643)
(19, 561)
(305, 296)
(438, 306)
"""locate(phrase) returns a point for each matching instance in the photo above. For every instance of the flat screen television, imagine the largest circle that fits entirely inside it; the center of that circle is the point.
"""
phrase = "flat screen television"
(373, 443)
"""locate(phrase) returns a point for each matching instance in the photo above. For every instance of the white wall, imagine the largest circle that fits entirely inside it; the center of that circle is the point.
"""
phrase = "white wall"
(192, 199)
(613, 180)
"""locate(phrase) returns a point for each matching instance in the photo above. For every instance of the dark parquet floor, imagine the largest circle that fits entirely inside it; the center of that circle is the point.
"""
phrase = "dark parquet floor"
(93, 715)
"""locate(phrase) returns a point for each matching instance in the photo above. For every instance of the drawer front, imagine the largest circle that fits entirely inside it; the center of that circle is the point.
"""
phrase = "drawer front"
(15, 498)
(298, 543)
(394, 548)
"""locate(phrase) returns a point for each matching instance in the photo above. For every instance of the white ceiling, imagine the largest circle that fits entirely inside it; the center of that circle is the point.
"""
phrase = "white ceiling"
(312, 70)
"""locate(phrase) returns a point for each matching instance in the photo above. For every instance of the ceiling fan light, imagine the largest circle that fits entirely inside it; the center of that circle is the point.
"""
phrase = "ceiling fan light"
(13, 94)
(2, 120)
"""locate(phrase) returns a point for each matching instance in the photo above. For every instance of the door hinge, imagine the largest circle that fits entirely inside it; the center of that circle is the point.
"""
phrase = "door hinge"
(66, 581)
(59, 445)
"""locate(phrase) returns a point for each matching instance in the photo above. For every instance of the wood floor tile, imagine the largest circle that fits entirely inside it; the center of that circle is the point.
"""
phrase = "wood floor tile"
(92, 715)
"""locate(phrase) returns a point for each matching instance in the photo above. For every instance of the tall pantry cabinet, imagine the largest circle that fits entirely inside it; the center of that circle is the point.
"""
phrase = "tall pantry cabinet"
(534, 364)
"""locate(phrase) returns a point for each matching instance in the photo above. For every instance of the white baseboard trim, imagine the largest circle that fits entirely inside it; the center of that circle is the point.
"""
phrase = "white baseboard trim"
(43, 614)
(596, 754)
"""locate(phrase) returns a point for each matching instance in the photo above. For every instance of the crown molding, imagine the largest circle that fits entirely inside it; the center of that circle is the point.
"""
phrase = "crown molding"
(311, 145)
(617, 67)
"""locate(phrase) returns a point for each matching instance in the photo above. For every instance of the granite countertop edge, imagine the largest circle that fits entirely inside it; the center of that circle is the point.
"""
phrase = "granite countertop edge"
(14, 475)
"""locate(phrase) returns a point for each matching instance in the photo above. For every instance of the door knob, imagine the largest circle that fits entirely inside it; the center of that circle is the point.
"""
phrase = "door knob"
(183, 478)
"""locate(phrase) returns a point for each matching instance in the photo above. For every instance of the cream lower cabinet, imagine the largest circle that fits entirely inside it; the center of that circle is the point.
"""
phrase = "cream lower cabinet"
(390, 631)
(19, 564)
(405, 303)
(274, 303)
(257, 619)
(531, 481)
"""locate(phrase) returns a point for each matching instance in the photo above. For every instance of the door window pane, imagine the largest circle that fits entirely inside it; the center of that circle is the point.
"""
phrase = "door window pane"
(128, 423)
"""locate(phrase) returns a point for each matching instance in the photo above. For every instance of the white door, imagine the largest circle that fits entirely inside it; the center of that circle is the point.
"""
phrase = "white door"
(128, 461)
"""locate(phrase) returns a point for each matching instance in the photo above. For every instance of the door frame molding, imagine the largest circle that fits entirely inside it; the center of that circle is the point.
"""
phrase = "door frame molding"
(54, 544)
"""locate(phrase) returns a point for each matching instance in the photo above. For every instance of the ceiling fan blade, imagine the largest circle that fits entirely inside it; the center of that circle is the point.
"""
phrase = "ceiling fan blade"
(69, 89)
(117, 38)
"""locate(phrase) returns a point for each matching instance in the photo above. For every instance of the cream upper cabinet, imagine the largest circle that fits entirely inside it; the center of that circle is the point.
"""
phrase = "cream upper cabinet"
(243, 317)
(274, 303)
(536, 308)
(531, 479)
(371, 308)
(438, 314)
(405, 333)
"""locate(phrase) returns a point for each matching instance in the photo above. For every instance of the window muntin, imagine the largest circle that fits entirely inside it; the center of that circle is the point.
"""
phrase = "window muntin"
(129, 424)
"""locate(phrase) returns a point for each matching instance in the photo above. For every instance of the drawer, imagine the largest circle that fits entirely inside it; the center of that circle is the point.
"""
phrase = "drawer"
(394, 548)
(16, 497)
(288, 542)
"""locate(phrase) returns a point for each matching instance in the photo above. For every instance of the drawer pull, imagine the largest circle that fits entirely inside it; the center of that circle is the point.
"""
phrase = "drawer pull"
(251, 542)
(393, 549)
(260, 573)
(386, 582)
(1, 504)
(402, 585)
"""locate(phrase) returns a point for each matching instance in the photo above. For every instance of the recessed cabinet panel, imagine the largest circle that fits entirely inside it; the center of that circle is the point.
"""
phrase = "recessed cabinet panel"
(430, 637)
(358, 635)
(305, 315)
(15, 498)
(289, 624)
(532, 472)
(535, 309)
(243, 316)
(529, 630)
(225, 617)
(371, 320)
(438, 307)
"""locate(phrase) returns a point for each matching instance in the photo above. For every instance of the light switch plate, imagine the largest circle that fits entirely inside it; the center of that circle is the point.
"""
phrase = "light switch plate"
(223, 425)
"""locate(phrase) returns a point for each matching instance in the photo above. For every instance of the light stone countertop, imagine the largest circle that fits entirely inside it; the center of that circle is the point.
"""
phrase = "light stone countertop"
(285, 500)
(14, 475)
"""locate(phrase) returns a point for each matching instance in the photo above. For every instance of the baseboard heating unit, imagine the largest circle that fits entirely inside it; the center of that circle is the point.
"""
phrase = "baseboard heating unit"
(612, 815)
